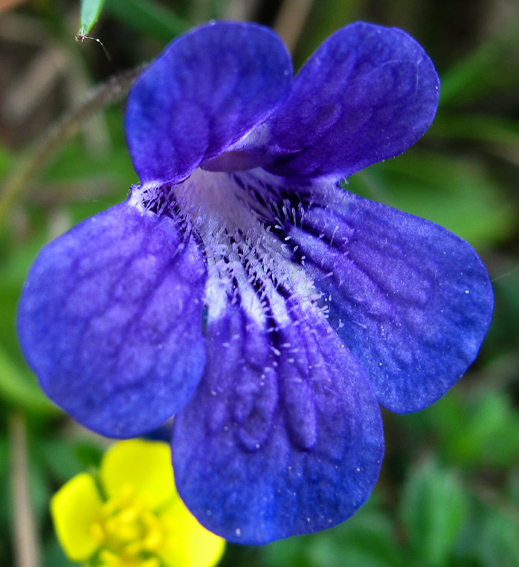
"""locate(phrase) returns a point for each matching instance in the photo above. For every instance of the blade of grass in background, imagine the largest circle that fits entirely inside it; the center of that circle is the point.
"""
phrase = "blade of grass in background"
(476, 127)
(457, 193)
(472, 76)
(18, 388)
(434, 509)
(90, 10)
(149, 18)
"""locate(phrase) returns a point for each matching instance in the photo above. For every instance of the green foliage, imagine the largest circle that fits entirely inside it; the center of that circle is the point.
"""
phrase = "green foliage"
(90, 10)
(366, 540)
(149, 18)
(448, 495)
(498, 544)
(433, 510)
(455, 193)
(18, 387)
(477, 74)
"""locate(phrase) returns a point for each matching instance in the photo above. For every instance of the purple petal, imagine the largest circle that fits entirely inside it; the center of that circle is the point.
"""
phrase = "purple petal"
(206, 91)
(110, 320)
(283, 435)
(411, 300)
(367, 94)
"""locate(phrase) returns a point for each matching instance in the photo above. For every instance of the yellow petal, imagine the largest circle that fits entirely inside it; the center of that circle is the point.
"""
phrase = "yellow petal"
(188, 543)
(75, 509)
(145, 465)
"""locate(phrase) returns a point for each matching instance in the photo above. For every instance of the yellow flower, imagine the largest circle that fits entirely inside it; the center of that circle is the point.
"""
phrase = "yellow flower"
(130, 515)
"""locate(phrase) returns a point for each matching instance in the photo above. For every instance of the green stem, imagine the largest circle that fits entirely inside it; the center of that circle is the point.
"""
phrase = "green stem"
(39, 155)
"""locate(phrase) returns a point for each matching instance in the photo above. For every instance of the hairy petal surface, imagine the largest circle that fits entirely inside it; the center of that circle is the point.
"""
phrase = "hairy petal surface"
(367, 94)
(206, 91)
(283, 435)
(411, 300)
(110, 320)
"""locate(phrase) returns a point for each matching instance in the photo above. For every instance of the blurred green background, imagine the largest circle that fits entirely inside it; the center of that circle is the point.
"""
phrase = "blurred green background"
(448, 494)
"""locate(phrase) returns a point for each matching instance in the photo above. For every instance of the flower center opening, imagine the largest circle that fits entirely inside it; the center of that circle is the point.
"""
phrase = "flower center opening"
(129, 531)
(238, 217)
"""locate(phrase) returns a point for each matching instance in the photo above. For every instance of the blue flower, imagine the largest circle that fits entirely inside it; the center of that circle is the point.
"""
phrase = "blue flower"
(241, 289)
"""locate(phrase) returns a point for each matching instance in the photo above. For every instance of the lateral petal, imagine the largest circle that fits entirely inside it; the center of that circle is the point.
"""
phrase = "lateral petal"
(207, 90)
(367, 94)
(411, 300)
(283, 435)
(110, 320)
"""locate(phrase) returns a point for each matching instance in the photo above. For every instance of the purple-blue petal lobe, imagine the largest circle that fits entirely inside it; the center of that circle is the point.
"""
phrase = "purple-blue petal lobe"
(283, 435)
(244, 298)
(110, 320)
(366, 95)
(411, 300)
(207, 90)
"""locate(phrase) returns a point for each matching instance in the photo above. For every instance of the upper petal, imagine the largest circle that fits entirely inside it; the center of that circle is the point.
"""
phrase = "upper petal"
(367, 94)
(110, 320)
(283, 435)
(206, 91)
(410, 299)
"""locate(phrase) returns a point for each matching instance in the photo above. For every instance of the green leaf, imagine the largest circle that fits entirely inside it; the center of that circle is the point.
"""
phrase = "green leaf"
(149, 18)
(498, 544)
(324, 18)
(457, 193)
(67, 459)
(433, 511)
(476, 127)
(480, 431)
(18, 387)
(367, 539)
(5, 160)
(90, 10)
(39, 485)
(4, 457)
(491, 432)
(475, 74)
(54, 556)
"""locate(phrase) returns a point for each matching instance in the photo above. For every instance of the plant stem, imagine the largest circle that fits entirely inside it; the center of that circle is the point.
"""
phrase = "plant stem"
(39, 155)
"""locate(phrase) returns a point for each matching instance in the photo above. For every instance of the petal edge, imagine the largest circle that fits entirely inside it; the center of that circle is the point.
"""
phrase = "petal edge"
(105, 312)
(366, 95)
